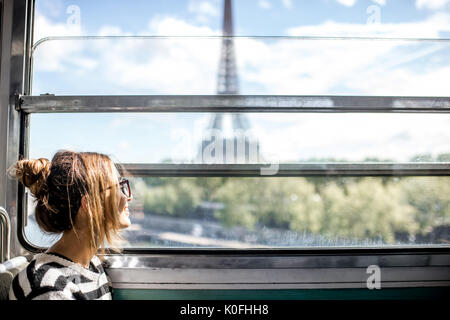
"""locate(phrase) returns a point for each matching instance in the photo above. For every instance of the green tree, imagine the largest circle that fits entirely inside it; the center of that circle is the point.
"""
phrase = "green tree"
(178, 198)
(209, 186)
(238, 207)
(429, 197)
(273, 202)
(367, 210)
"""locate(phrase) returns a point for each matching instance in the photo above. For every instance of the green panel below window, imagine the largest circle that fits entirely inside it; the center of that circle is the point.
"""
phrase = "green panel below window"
(285, 294)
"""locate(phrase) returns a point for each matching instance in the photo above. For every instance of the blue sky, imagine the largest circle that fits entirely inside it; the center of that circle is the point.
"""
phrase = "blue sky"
(251, 17)
(127, 66)
(55, 61)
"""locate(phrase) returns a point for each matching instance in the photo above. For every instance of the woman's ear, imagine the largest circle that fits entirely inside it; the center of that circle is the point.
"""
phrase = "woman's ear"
(84, 203)
(83, 213)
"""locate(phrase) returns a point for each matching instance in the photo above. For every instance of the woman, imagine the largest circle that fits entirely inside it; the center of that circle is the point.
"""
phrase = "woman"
(80, 195)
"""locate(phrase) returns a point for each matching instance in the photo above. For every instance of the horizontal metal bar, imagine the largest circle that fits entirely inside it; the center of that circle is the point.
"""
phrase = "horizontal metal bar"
(232, 103)
(277, 261)
(234, 37)
(300, 270)
(274, 286)
(285, 170)
(142, 277)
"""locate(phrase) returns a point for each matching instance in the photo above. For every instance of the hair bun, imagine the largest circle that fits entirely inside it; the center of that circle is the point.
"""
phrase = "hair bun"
(32, 173)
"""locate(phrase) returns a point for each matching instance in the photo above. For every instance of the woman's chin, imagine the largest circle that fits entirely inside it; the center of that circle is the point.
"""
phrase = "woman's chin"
(124, 225)
(124, 222)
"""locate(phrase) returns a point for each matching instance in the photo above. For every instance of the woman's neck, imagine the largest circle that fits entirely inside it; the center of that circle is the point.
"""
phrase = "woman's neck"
(75, 246)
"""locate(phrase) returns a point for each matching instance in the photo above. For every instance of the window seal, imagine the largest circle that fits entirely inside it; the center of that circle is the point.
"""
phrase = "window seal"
(50, 103)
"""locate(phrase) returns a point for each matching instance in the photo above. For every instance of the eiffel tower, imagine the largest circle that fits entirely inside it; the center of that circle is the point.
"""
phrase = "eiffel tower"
(227, 139)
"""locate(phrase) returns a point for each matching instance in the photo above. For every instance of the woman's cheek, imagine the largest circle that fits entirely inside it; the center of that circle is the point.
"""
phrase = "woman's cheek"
(122, 203)
(124, 220)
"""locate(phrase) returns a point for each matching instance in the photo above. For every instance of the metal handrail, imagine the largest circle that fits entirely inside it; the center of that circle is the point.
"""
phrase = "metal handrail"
(234, 37)
(5, 235)
(284, 169)
(232, 103)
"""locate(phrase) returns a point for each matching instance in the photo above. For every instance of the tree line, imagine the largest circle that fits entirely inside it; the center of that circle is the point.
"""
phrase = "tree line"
(347, 207)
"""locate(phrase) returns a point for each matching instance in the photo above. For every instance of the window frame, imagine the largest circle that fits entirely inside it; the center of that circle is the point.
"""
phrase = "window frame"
(25, 105)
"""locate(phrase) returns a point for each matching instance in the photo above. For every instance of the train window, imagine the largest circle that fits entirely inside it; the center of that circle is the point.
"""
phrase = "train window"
(283, 66)
(78, 47)
(285, 209)
(421, 19)
(245, 213)
(221, 149)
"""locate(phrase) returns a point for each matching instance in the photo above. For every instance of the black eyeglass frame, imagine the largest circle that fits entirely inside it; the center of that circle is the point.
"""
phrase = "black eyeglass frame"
(126, 182)
(121, 184)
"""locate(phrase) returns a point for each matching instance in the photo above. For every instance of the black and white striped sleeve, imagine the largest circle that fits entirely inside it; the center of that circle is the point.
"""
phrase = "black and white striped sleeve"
(44, 283)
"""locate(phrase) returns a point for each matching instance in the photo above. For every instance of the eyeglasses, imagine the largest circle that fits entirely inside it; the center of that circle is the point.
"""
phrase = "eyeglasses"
(124, 186)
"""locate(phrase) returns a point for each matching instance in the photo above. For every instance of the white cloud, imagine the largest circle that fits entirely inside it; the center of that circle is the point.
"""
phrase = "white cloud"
(264, 4)
(281, 67)
(428, 28)
(351, 3)
(203, 7)
(124, 146)
(204, 10)
(380, 2)
(53, 8)
(347, 3)
(44, 28)
(432, 4)
(59, 55)
(183, 66)
(169, 26)
(353, 136)
(296, 66)
(287, 3)
(110, 31)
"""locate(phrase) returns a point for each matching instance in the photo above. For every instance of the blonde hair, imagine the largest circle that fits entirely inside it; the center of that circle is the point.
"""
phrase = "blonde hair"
(59, 186)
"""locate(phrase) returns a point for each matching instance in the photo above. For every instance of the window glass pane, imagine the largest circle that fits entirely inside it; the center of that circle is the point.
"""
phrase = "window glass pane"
(286, 138)
(284, 66)
(267, 211)
(283, 212)
(232, 212)
(292, 212)
(407, 18)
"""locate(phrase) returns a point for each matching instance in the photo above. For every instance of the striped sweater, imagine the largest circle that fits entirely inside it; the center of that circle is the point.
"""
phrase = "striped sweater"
(50, 276)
